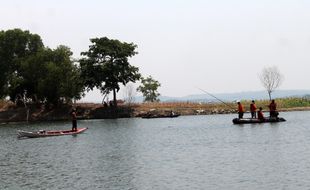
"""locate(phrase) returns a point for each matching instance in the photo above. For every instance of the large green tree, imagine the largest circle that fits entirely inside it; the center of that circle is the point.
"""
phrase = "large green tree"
(48, 76)
(106, 66)
(149, 89)
(15, 46)
(29, 71)
(61, 81)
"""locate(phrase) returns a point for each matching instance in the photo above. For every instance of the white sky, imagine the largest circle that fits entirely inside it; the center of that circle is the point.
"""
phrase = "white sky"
(219, 46)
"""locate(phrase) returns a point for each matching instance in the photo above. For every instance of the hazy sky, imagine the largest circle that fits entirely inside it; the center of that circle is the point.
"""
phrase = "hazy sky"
(217, 45)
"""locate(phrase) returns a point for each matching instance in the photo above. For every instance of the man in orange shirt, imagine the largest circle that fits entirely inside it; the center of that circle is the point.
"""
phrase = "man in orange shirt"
(240, 110)
(253, 109)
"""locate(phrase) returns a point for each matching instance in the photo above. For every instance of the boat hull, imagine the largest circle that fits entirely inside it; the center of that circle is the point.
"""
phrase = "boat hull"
(37, 134)
(160, 116)
(253, 120)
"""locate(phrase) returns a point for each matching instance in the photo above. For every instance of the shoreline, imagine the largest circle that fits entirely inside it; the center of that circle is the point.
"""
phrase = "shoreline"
(87, 111)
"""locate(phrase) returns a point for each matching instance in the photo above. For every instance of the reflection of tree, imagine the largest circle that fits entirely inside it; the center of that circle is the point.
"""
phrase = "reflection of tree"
(271, 79)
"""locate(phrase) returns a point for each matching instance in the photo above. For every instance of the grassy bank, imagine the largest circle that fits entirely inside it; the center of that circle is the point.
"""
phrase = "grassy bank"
(190, 108)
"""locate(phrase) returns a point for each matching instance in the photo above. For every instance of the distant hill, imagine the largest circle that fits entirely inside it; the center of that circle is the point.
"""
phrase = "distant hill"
(229, 97)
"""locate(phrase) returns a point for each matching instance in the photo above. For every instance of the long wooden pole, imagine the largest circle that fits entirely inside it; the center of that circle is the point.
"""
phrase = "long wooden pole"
(216, 98)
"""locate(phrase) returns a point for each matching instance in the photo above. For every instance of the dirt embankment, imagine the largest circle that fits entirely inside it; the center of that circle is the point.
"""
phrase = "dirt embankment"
(11, 113)
(42, 113)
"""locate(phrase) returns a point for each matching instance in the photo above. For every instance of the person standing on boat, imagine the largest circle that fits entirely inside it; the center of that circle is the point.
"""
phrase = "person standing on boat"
(253, 109)
(260, 114)
(273, 109)
(73, 117)
(240, 110)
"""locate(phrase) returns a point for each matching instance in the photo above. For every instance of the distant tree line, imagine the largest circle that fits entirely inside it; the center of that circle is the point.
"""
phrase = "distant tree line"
(31, 72)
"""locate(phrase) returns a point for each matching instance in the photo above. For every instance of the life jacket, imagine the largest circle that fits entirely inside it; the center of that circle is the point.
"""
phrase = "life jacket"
(240, 108)
(273, 106)
(253, 107)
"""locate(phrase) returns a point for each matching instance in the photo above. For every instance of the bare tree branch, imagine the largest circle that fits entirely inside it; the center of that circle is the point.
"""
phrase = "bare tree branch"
(129, 94)
(271, 78)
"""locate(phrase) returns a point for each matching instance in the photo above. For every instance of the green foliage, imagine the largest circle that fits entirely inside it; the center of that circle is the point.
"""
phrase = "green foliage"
(289, 102)
(149, 89)
(106, 65)
(15, 46)
(57, 79)
(30, 71)
(294, 102)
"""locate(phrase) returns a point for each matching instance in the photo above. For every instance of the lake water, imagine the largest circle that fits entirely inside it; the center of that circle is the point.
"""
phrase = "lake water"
(189, 152)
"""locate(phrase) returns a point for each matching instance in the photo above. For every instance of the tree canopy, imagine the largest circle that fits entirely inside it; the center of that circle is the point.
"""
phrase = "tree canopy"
(106, 66)
(35, 72)
(149, 89)
(15, 46)
(31, 72)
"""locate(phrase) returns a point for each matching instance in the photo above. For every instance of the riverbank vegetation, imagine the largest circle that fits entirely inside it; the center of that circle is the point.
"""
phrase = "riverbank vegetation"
(40, 83)
(190, 108)
(149, 89)
(12, 113)
(31, 73)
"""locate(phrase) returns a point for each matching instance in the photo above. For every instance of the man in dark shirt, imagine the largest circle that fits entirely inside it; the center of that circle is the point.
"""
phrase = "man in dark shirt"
(273, 109)
(74, 123)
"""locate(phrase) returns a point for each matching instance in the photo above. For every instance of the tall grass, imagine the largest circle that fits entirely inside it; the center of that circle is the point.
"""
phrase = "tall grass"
(294, 102)
(282, 103)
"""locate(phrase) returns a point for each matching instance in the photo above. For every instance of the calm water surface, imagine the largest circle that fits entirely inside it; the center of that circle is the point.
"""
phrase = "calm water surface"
(190, 152)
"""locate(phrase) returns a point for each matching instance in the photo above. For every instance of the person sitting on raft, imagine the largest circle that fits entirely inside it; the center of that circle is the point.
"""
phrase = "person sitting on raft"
(260, 114)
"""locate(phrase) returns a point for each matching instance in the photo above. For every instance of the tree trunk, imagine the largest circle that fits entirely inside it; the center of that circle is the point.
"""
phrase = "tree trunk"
(269, 93)
(114, 98)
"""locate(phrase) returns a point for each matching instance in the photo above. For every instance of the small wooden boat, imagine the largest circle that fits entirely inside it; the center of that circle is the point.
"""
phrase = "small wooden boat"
(150, 116)
(42, 133)
(254, 120)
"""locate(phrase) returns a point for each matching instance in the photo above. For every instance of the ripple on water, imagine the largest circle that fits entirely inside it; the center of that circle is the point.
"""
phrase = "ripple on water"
(191, 152)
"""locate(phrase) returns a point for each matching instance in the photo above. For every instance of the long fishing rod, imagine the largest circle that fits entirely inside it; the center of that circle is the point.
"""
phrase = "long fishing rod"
(215, 98)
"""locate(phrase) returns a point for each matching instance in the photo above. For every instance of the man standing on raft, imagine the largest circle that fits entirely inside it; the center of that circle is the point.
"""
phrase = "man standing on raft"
(240, 110)
(253, 109)
(273, 109)
(73, 117)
